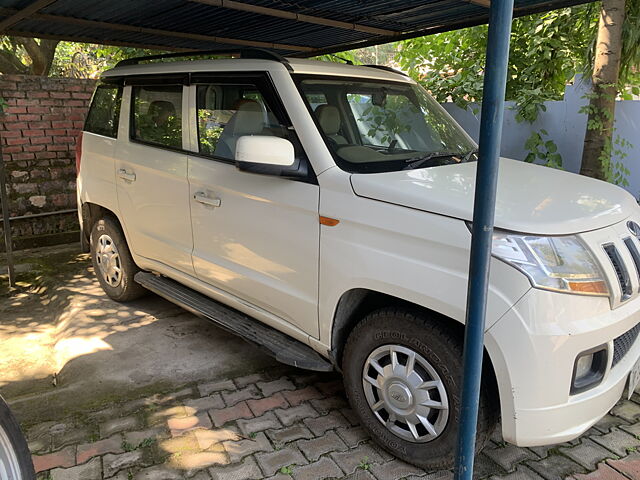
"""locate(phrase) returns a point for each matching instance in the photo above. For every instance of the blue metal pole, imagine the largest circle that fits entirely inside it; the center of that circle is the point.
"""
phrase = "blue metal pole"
(495, 78)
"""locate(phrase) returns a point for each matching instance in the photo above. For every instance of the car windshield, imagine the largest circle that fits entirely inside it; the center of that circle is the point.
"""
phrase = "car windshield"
(374, 126)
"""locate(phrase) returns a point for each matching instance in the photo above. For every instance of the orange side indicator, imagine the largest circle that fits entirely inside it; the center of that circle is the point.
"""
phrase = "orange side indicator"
(328, 221)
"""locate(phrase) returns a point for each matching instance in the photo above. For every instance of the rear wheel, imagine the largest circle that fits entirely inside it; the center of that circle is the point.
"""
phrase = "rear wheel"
(403, 377)
(15, 459)
(112, 261)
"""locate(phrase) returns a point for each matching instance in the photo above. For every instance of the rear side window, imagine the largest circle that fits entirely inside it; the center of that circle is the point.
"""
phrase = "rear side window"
(104, 111)
(157, 115)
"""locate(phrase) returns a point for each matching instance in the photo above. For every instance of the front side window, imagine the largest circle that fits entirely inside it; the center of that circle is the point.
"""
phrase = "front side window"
(157, 115)
(227, 112)
(104, 112)
(373, 126)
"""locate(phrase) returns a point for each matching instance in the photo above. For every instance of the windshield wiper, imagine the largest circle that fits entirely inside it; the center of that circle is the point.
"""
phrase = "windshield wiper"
(413, 163)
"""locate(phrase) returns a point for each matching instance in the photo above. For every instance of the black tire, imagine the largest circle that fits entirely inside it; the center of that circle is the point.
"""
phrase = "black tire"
(442, 348)
(126, 288)
(14, 445)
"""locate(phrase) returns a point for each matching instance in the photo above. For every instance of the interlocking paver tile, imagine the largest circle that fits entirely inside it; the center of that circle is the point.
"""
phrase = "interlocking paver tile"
(206, 389)
(258, 424)
(604, 472)
(91, 470)
(587, 453)
(629, 465)
(247, 470)
(362, 456)
(555, 467)
(239, 449)
(269, 388)
(289, 434)
(323, 468)
(509, 456)
(618, 441)
(521, 473)
(314, 448)
(272, 462)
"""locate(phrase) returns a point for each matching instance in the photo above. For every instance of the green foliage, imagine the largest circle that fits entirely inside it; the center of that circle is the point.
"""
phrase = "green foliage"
(85, 60)
(547, 50)
(615, 171)
(542, 151)
(287, 470)
(364, 464)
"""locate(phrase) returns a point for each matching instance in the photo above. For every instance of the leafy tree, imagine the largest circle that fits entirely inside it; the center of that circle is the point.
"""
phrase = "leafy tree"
(616, 56)
(547, 50)
(22, 55)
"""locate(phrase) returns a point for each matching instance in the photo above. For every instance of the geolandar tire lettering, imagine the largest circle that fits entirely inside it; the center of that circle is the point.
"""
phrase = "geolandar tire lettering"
(112, 261)
(402, 374)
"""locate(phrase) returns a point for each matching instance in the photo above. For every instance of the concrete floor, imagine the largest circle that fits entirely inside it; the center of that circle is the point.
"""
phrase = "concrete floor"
(65, 346)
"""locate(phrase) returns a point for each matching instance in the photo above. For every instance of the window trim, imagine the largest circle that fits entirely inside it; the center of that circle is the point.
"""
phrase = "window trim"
(118, 102)
(132, 122)
(266, 86)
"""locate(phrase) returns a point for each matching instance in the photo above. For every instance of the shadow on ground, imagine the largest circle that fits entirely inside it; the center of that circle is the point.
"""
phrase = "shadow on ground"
(65, 346)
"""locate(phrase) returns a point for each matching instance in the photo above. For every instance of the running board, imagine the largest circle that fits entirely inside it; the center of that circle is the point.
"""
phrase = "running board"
(280, 346)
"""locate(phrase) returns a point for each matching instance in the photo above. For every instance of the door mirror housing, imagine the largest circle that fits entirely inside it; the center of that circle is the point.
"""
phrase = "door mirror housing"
(267, 155)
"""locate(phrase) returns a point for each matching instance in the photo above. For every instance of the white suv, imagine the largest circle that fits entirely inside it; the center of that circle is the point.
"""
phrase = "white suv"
(322, 212)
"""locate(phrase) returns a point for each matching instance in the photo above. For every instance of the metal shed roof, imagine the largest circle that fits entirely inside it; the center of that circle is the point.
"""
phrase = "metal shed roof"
(290, 27)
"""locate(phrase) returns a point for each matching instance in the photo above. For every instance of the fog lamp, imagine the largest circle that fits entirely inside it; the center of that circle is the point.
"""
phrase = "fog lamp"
(589, 368)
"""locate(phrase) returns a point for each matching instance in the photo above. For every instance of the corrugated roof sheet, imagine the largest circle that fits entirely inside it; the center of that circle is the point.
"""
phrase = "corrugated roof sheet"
(201, 25)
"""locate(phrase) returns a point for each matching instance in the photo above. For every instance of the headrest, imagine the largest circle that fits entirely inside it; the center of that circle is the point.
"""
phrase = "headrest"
(329, 119)
(248, 119)
(158, 107)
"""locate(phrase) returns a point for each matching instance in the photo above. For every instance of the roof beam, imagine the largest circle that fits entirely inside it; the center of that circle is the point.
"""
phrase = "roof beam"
(164, 33)
(482, 3)
(74, 38)
(274, 12)
(24, 13)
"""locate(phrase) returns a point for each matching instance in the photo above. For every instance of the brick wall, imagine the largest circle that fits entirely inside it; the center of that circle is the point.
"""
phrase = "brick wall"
(38, 130)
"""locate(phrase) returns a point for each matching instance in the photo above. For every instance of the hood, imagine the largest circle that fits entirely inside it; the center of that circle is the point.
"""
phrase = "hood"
(530, 198)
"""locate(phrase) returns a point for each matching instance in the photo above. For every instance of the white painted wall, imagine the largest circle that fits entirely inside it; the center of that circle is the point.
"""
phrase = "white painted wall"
(566, 127)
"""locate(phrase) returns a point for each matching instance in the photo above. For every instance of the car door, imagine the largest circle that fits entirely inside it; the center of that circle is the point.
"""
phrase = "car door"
(151, 172)
(255, 236)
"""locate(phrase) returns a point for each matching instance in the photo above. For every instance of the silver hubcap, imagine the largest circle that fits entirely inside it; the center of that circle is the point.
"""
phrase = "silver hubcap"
(9, 467)
(405, 393)
(108, 260)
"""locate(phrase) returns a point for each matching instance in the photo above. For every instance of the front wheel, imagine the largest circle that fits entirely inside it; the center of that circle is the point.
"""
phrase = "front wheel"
(403, 377)
(15, 459)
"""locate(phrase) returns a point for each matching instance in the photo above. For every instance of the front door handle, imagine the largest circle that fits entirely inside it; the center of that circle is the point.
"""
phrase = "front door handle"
(201, 197)
(127, 177)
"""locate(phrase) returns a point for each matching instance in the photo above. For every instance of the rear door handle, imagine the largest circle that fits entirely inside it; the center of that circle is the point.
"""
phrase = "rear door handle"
(127, 177)
(201, 197)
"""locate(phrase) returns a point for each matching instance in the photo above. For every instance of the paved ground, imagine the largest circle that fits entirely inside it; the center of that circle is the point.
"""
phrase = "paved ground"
(147, 392)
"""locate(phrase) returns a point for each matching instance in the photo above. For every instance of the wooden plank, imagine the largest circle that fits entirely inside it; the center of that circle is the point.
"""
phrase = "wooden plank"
(274, 12)
(26, 12)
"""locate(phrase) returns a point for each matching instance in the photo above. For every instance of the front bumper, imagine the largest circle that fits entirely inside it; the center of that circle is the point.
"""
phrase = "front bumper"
(533, 348)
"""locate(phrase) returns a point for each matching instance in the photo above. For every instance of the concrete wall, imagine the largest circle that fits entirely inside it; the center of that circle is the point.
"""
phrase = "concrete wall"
(39, 127)
(566, 127)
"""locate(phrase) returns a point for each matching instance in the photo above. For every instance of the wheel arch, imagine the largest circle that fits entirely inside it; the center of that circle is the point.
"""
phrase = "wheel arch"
(356, 303)
(91, 212)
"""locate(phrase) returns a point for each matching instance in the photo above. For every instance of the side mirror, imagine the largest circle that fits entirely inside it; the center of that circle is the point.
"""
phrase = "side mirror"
(267, 155)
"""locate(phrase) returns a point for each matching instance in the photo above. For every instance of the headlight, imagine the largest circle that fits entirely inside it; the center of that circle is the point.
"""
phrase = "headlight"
(554, 263)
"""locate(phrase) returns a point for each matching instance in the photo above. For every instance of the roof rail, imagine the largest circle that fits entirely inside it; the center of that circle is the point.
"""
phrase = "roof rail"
(253, 53)
(388, 69)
